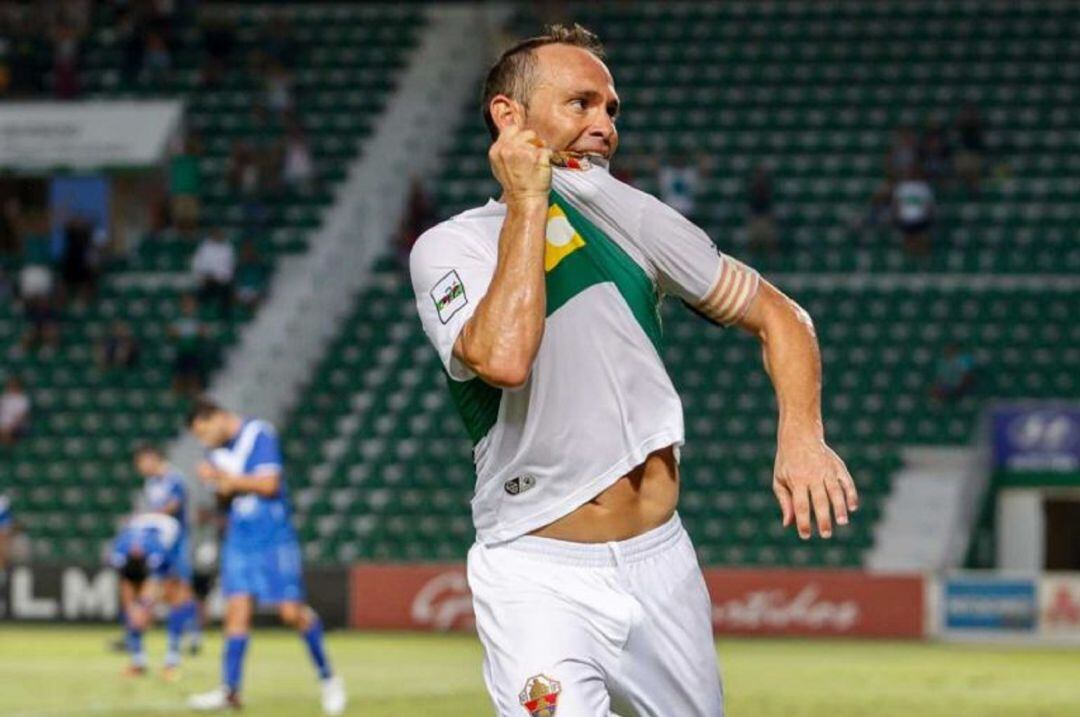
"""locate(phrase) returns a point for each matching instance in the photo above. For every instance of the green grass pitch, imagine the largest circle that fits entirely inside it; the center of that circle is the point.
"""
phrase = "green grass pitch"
(67, 672)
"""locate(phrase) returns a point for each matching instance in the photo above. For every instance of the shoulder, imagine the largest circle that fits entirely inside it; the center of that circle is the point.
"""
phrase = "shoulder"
(604, 194)
(261, 430)
(469, 233)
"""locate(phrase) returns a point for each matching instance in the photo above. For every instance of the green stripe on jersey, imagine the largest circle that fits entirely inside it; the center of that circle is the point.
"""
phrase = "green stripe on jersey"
(602, 260)
(587, 259)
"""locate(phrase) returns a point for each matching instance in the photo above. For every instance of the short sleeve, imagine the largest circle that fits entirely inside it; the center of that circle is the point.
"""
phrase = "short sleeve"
(688, 264)
(265, 453)
(450, 273)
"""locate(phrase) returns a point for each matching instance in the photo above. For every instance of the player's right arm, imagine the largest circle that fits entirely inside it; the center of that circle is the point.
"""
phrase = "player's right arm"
(500, 341)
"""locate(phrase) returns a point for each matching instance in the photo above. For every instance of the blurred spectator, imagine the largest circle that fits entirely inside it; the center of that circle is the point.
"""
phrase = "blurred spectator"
(65, 62)
(189, 339)
(243, 169)
(156, 60)
(29, 59)
(10, 226)
(277, 45)
(934, 151)
(79, 259)
(903, 155)
(679, 184)
(913, 211)
(971, 139)
(245, 177)
(880, 211)
(252, 275)
(37, 290)
(219, 40)
(955, 376)
(185, 179)
(214, 266)
(761, 231)
(298, 166)
(7, 288)
(118, 349)
(14, 412)
(132, 42)
(278, 86)
(419, 215)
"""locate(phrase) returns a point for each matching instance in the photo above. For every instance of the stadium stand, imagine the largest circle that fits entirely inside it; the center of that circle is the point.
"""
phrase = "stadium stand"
(815, 92)
(76, 459)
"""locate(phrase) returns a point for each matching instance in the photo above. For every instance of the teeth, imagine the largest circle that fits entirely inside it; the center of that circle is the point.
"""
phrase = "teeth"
(562, 158)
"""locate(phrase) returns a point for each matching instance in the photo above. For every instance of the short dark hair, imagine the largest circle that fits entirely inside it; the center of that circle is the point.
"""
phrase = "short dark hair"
(149, 449)
(512, 75)
(202, 407)
(135, 570)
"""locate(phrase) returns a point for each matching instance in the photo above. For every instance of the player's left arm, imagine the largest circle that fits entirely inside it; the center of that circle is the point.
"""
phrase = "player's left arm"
(264, 476)
(264, 481)
(686, 263)
(808, 473)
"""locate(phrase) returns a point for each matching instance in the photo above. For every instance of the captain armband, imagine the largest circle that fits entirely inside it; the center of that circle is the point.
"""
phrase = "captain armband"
(732, 292)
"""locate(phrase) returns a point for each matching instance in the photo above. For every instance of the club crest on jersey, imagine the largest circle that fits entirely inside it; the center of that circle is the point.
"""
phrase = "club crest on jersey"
(520, 484)
(449, 296)
(540, 696)
(562, 239)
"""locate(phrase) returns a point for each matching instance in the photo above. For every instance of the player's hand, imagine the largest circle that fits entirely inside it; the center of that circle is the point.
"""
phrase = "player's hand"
(810, 477)
(522, 164)
(208, 473)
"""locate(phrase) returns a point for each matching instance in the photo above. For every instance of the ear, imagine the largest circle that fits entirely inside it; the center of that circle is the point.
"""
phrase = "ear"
(506, 112)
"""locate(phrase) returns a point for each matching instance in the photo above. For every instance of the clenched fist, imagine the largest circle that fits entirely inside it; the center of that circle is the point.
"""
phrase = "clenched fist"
(522, 164)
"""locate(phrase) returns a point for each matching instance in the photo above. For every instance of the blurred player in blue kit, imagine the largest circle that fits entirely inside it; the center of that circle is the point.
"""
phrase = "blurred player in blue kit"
(165, 492)
(260, 556)
(146, 553)
(7, 527)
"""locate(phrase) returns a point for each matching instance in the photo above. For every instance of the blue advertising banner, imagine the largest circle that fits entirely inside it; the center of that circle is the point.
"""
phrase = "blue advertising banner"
(1043, 439)
(990, 604)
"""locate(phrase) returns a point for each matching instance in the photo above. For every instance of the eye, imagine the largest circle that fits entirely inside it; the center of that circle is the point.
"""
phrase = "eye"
(577, 103)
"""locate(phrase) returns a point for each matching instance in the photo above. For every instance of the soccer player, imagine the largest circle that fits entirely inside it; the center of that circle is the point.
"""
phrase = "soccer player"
(164, 492)
(260, 558)
(7, 528)
(144, 554)
(543, 307)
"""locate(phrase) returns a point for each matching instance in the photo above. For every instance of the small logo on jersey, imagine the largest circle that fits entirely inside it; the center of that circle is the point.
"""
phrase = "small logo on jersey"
(540, 696)
(514, 486)
(449, 296)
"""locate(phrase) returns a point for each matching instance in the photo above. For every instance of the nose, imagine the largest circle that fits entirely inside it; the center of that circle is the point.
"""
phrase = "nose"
(603, 128)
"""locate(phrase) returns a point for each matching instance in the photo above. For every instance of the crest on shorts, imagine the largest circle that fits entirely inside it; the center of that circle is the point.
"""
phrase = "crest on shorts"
(540, 696)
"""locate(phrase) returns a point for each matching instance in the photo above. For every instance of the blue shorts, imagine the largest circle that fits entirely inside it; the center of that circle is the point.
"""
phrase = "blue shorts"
(178, 565)
(271, 574)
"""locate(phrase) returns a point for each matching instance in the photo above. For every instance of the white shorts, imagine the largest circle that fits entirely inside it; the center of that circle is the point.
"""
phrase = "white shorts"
(595, 629)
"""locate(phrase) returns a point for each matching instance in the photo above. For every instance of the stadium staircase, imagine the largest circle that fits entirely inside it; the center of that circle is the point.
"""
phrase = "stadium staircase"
(815, 91)
(72, 477)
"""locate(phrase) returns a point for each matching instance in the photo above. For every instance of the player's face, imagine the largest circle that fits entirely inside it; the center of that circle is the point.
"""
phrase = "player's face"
(211, 431)
(147, 464)
(574, 104)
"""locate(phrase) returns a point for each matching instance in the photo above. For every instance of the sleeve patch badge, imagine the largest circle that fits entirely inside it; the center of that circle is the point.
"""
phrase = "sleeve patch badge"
(449, 296)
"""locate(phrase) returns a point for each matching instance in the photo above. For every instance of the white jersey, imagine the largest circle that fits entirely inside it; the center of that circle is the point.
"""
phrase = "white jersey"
(598, 400)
